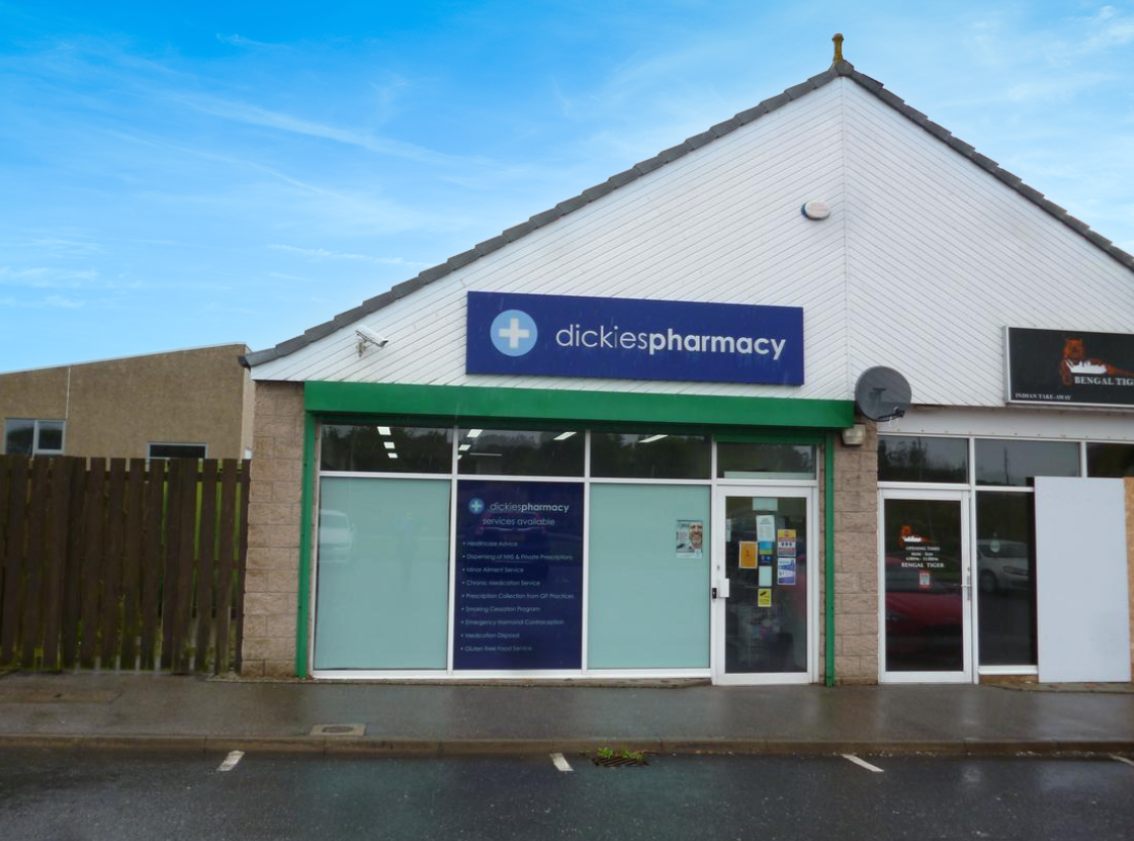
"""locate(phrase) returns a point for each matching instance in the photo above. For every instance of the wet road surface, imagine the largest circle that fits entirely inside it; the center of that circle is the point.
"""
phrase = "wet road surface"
(71, 796)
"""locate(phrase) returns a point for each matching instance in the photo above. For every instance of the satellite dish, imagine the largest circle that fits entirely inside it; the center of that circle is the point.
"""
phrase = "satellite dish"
(881, 394)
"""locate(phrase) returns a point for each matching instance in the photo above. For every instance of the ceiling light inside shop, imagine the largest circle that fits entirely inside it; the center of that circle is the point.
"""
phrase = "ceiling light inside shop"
(473, 433)
(487, 455)
(464, 448)
(563, 436)
(651, 439)
(384, 430)
(392, 455)
(389, 445)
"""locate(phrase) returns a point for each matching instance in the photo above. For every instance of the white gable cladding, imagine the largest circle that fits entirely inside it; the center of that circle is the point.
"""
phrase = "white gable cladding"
(719, 224)
(941, 256)
(925, 259)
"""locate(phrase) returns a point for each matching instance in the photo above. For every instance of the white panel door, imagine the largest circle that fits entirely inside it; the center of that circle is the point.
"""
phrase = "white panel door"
(1081, 580)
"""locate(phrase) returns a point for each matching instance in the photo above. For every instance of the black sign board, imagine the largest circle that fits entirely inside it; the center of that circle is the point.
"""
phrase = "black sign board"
(1070, 367)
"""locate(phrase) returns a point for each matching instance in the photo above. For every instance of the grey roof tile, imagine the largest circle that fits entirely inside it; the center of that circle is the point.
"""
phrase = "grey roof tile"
(699, 140)
(674, 152)
(649, 165)
(729, 125)
(516, 231)
(754, 113)
(625, 177)
(545, 218)
(838, 69)
(572, 204)
(599, 190)
(802, 89)
(402, 289)
(461, 260)
(490, 245)
(777, 101)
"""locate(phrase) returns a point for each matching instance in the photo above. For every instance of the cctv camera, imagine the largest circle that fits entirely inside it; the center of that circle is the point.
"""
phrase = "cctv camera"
(368, 336)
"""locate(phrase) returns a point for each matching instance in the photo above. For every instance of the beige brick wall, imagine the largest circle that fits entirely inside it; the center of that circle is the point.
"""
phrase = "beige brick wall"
(856, 561)
(1130, 558)
(271, 590)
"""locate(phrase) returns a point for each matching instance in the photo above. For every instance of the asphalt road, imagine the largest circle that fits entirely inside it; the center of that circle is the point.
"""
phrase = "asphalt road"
(65, 796)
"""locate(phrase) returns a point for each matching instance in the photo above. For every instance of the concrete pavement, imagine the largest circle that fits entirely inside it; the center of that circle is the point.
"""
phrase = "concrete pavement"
(161, 712)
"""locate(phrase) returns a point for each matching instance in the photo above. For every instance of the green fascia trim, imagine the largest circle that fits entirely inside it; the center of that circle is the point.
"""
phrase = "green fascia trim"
(594, 406)
(303, 606)
(829, 556)
(762, 438)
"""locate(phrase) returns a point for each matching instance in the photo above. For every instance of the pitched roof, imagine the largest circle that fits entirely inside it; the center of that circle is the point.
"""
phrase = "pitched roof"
(838, 69)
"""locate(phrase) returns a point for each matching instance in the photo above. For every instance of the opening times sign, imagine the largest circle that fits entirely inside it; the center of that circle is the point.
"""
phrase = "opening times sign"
(519, 594)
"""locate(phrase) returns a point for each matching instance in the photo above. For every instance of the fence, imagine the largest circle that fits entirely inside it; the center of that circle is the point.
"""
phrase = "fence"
(122, 564)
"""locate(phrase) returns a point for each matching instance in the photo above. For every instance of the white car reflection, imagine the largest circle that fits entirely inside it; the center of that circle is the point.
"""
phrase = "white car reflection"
(1004, 565)
(336, 536)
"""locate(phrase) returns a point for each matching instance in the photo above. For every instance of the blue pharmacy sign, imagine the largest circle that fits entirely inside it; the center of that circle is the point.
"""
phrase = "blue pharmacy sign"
(625, 338)
(519, 595)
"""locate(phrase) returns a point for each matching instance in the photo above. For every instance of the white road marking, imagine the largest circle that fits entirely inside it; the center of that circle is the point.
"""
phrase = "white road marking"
(231, 760)
(561, 763)
(850, 757)
(1122, 759)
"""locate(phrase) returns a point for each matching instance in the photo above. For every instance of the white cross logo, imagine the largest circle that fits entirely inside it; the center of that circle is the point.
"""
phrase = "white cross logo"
(513, 333)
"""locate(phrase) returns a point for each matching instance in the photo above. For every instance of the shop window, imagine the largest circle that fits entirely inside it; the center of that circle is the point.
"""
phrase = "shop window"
(765, 461)
(903, 458)
(370, 448)
(1110, 461)
(177, 451)
(1017, 463)
(1006, 578)
(383, 574)
(515, 452)
(649, 577)
(25, 437)
(646, 455)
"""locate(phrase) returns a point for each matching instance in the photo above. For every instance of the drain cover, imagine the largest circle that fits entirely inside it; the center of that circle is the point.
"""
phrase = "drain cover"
(619, 761)
(338, 730)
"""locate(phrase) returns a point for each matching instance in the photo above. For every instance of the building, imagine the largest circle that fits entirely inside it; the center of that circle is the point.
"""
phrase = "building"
(189, 403)
(620, 439)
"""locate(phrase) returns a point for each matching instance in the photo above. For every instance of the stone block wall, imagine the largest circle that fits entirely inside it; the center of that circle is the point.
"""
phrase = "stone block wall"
(856, 561)
(271, 584)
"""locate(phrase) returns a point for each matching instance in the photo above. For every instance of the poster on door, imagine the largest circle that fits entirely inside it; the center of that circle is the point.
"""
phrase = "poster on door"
(519, 593)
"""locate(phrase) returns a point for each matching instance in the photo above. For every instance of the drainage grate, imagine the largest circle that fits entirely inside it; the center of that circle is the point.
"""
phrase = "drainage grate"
(338, 730)
(620, 761)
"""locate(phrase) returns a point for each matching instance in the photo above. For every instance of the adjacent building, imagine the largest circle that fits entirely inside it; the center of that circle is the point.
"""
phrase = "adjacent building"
(621, 439)
(194, 403)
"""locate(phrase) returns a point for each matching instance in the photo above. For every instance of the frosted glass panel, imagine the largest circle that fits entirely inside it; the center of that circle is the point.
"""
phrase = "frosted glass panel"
(649, 577)
(383, 585)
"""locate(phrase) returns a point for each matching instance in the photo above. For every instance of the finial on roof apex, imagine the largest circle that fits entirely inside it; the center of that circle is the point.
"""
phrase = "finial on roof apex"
(838, 39)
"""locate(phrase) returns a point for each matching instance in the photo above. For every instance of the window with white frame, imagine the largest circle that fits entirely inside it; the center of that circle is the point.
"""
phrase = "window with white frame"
(31, 437)
(1001, 474)
(177, 451)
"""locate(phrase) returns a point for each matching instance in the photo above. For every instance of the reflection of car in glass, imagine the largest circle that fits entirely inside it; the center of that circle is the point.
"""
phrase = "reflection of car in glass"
(1004, 565)
(923, 624)
(336, 536)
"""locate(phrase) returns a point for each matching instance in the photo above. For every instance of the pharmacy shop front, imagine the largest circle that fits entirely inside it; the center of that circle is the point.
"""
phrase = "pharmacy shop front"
(537, 548)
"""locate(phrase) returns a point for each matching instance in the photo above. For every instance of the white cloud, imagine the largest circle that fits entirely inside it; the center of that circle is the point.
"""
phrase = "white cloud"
(236, 41)
(319, 254)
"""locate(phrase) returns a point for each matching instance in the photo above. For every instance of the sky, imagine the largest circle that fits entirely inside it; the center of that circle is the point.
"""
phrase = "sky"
(183, 174)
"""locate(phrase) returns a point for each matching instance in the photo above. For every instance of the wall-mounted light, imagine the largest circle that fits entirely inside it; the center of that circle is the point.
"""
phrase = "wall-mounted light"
(854, 436)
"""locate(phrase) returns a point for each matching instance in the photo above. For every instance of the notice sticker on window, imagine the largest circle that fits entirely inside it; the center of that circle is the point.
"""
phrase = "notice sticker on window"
(690, 538)
(763, 598)
(765, 576)
(923, 579)
(785, 572)
(748, 554)
(765, 528)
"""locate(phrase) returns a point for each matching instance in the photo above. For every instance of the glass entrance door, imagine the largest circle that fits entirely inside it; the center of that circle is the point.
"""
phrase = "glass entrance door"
(926, 582)
(763, 589)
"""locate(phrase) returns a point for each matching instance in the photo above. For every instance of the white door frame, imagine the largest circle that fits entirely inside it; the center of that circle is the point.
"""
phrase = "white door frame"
(718, 577)
(968, 674)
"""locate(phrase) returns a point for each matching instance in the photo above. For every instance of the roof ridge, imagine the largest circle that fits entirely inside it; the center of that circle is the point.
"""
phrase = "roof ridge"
(839, 68)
